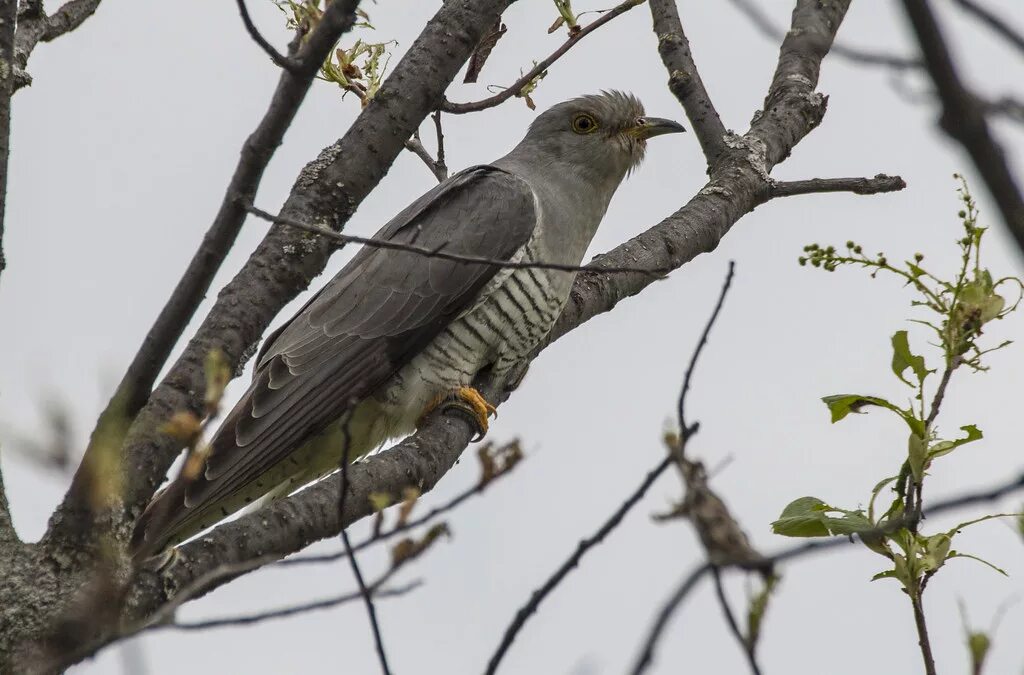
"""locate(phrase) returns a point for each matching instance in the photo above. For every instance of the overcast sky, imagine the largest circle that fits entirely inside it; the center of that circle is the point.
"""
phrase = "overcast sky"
(126, 140)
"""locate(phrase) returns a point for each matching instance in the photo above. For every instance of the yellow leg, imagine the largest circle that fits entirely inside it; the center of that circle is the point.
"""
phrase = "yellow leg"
(470, 401)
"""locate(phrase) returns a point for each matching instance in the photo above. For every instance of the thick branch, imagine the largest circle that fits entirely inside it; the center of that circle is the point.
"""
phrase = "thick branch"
(963, 118)
(537, 70)
(7, 533)
(860, 186)
(328, 190)
(684, 80)
(277, 57)
(739, 185)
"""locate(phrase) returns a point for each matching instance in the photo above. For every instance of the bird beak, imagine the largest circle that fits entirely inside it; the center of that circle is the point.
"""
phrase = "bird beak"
(656, 126)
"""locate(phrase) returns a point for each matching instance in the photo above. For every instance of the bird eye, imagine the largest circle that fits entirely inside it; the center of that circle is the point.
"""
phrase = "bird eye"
(640, 121)
(584, 123)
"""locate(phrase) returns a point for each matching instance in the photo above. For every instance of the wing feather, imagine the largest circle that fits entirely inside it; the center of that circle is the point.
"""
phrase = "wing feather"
(380, 310)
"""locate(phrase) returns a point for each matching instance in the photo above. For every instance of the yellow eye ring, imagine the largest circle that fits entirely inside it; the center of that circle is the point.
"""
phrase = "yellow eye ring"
(584, 123)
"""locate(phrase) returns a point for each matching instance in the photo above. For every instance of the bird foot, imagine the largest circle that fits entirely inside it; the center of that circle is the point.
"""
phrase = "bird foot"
(470, 402)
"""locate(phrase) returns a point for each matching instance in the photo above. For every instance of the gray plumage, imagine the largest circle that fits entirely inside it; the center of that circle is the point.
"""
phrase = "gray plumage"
(364, 358)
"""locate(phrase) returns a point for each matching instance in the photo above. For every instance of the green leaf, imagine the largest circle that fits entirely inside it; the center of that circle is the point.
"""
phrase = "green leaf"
(842, 405)
(903, 358)
(809, 517)
(917, 456)
(887, 574)
(956, 554)
(879, 486)
(802, 518)
(936, 550)
(952, 531)
(945, 447)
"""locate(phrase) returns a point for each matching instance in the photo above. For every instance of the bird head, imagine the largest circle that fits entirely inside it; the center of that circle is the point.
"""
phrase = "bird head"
(604, 136)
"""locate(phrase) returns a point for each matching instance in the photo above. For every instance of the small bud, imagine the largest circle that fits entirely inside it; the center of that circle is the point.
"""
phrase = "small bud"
(802, 261)
(962, 214)
(849, 244)
(857, 249)
(918, 257)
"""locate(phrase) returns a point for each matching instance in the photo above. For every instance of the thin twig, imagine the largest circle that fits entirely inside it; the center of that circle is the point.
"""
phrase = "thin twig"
(415, 146)
(275, 56)
(864, 56)
(570, 564)
(248, 619)
(860, 186)
(689, 582)
(923, 640)
(516, 87)
(684, 430)
(366, 593)
(993, 21)
(730, 619)
(438, 253)
(439, 163)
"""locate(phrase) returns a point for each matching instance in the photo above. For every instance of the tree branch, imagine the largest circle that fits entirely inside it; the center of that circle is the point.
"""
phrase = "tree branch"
(327, 190)
(570, 564)
(34, 26)
(8, 14)
(730, 619)
(993, 21)
(277, 57)
(343, 239)
(537, 70)
(964, 120)
(860, 186)
(767, 28)
(684, 81)
(7, 532)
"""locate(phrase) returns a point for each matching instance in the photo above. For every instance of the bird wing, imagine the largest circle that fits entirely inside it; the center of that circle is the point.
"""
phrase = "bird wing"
(379, 311)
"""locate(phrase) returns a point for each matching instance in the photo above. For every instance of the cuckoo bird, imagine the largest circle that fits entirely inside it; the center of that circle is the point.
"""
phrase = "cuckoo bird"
(396, 333)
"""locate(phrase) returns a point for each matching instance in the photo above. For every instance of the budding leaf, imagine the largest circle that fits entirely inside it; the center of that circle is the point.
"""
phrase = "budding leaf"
(945, 447)
(811, 517)
(903, 358)
(917, 456)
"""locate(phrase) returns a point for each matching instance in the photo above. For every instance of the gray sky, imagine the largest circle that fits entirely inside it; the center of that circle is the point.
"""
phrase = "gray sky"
(122, 149)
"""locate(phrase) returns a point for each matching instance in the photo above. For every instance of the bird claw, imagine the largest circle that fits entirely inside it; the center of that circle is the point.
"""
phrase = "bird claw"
(469, 402)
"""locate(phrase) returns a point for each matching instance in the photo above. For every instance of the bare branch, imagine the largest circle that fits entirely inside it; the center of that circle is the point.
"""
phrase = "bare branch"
(993, 21)
(439, 163)
(483, 51)
(445, 255)
(415, 145)
(860, 186)
(730, 619)
(34, 26)
(963, 118)
(570, 564)
(684, 81)
(248, 619)
(767, 28)
(277, 57)
(516, 87)
(1008, 107)
(684, 429)
(364, 591)
(646, 657)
